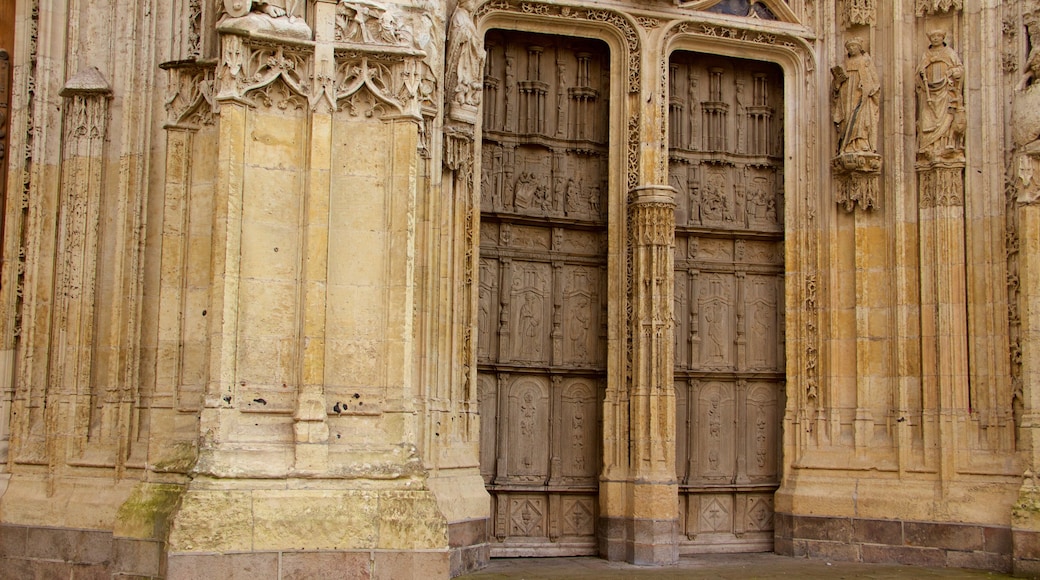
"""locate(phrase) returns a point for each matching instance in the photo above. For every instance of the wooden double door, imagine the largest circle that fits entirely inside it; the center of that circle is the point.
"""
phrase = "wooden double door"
(542, 335)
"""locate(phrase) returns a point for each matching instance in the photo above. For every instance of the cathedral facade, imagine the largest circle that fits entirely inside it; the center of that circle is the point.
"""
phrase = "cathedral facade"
(392, 287)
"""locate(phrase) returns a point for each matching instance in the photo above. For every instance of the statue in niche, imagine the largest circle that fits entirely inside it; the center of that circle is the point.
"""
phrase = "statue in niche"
(713, 315)
(855, 94)
(466, 57)
(529, 326)
(572, 201)
(527, 412)
(940, 108)
(578, 439)
(579, 327)
(856, 91)
(1025, 120)
(273, 17)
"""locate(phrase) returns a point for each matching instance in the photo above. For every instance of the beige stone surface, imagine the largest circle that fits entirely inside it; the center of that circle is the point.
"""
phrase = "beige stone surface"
(355, 276)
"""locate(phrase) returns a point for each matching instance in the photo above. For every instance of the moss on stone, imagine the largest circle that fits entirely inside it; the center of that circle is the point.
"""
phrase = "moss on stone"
(146, 513)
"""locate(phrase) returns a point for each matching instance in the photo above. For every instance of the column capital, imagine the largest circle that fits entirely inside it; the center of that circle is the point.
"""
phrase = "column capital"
(652, 195)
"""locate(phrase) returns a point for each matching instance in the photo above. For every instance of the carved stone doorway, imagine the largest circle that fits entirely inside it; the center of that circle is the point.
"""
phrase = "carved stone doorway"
(726, 164)
(541, 340)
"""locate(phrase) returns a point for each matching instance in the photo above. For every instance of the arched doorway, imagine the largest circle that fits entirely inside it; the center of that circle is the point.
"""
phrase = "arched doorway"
(726, 165)
(542, 302)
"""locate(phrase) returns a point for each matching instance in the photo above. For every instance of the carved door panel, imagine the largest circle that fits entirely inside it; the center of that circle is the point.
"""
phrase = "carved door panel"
(726, 163)
(541, 339)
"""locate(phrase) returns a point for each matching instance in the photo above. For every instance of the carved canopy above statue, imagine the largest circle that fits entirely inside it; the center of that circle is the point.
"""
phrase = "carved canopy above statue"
(761, 9)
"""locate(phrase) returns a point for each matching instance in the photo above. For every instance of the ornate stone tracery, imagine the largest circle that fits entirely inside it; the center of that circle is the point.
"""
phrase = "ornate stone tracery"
(924, 7)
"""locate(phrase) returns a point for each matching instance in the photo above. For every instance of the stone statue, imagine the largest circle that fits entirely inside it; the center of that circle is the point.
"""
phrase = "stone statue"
(1025, 113)
(274, 17)
(466, 57)
(856, 91)
(1025, 123)
(940, 107)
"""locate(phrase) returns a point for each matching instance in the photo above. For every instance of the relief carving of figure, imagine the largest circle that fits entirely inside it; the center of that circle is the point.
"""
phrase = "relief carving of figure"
(713, 315)
(275, 17)
(715, 204)
(579, 328)
(856, 90)
(466, 56)
(940, 107)
(1025, 121)
(529, 326)
(525, 190)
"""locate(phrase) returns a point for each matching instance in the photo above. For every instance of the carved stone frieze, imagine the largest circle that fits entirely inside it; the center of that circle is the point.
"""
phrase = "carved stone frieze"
(941, 187)
(248, 64)
(392, 79)
(1011, 245)
(858, 12)
(718, 31)
(5, 113)
(856, 92)
(372, 23)
(378, 79)
(191, 102)
(812, 334)
(925, 7)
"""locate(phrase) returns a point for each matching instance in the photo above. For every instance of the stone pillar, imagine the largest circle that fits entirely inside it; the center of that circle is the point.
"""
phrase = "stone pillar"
(313, 419)
(1025, 515)
(639, 493)
(1025, 181)
(654, 518)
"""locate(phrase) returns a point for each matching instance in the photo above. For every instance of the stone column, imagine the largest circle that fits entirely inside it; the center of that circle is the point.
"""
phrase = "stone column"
(654, 507)
(1025, 181)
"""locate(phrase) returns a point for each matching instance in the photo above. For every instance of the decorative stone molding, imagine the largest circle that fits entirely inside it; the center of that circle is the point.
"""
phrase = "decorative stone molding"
(856, 92)
(5, 113)
(812, 335)
(86, 116)
(859, 13)
(941, 187)
(248, 64)
(615, 19)
(925, 7)
(191, 103)
(265, 70)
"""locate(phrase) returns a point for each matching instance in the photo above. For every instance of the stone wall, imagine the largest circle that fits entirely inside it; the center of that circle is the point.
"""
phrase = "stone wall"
(240, 288)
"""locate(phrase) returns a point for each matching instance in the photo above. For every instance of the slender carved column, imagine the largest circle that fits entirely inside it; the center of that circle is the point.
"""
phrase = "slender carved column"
(73, 344)
(651, 216)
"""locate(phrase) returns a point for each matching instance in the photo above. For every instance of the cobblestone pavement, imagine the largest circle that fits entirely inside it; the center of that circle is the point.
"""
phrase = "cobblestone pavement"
(716, 566)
